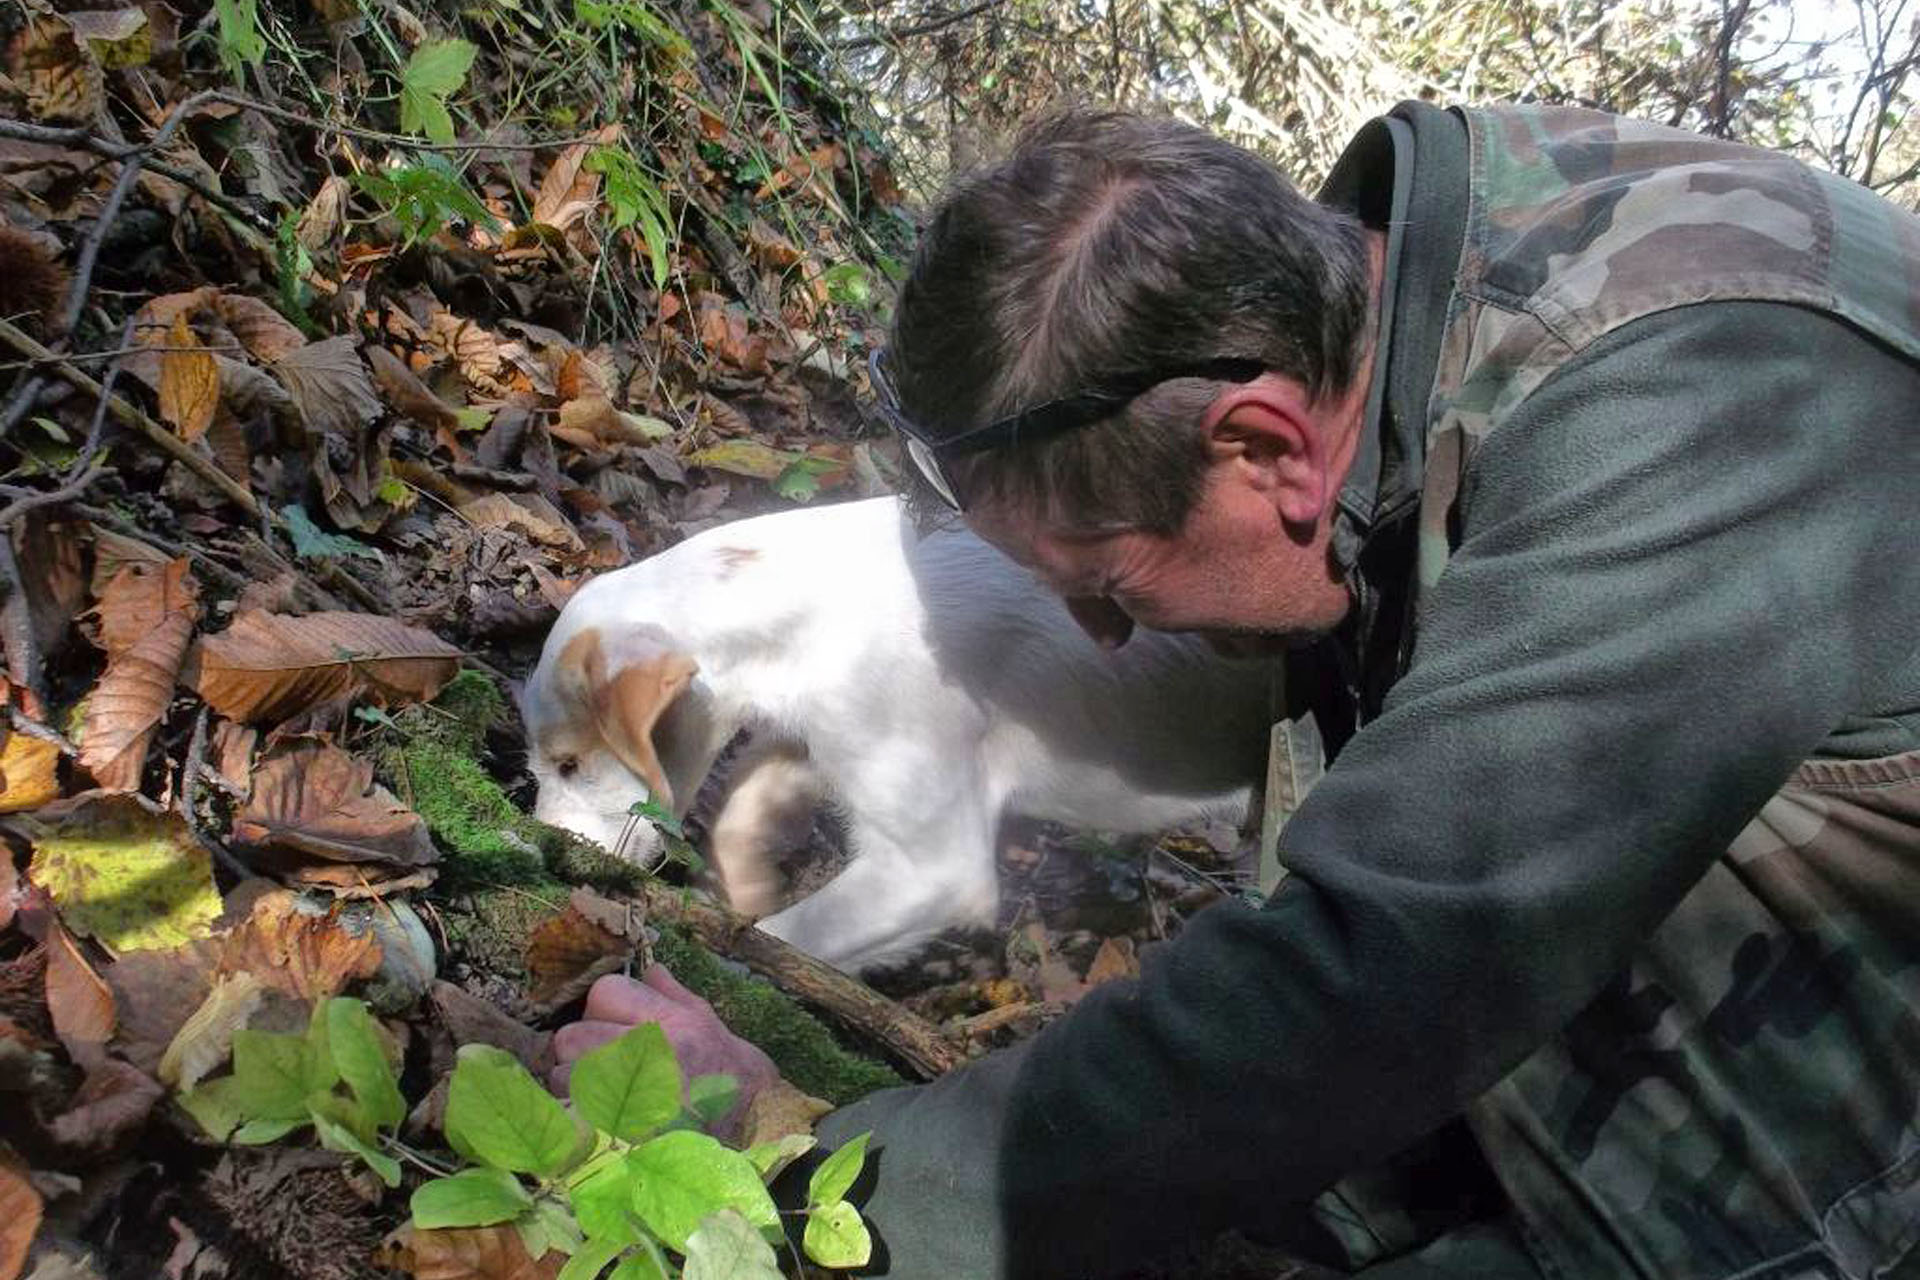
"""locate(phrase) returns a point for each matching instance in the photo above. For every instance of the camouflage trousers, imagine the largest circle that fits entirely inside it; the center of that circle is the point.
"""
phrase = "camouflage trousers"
(1743, 1102)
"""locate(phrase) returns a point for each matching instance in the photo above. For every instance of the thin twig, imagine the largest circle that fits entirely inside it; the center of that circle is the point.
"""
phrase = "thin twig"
(24, 723)
(394, 139)
(171, 444)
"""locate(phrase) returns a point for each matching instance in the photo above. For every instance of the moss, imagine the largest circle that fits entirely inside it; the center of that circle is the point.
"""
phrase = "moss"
(488, 927)
(799, 1044)
(460, 717)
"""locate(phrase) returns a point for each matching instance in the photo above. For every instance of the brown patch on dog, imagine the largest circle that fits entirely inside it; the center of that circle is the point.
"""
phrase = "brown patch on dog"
(628, 703)
(734, 559)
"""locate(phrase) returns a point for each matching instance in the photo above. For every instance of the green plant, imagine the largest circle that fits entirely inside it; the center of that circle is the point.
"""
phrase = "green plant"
(240, 39)
(625, 1178)
(634, 200)
(338, 1077)
(433, 74)
(423, 196)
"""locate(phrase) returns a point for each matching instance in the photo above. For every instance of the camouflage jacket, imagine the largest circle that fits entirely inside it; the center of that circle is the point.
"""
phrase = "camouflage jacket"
(1742, 1099)
(1619, 852)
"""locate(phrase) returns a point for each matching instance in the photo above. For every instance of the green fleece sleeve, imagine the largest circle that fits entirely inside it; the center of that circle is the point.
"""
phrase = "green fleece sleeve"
(1688, 557)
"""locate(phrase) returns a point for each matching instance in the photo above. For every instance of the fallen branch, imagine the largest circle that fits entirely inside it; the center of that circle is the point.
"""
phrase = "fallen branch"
(917, 1042)
(169, 443)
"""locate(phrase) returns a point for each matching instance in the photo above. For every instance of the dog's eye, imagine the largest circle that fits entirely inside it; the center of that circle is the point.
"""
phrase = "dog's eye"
(567, 767)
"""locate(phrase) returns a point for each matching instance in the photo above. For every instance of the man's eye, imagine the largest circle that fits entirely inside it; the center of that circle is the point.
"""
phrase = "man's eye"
(568, 767)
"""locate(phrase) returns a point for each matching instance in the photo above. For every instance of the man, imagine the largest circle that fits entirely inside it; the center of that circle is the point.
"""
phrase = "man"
(1577, 458)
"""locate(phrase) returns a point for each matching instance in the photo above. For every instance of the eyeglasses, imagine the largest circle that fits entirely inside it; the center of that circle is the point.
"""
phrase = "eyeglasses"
(1055, 417)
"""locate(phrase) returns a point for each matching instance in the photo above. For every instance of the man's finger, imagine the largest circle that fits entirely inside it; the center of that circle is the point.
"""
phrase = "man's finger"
(576, 1038)
(559, 1079)
(618, 998)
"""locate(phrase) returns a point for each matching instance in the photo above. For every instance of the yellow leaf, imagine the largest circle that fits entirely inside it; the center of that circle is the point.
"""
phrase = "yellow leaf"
(27, 777)
(189, 382)
(205, 1039)
(131, 878)
(744, 458)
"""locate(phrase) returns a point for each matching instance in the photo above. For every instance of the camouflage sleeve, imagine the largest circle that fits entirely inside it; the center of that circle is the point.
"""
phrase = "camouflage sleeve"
(1687, 559)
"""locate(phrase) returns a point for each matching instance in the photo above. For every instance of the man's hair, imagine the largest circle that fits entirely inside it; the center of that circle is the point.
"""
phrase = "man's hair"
(1107, 245)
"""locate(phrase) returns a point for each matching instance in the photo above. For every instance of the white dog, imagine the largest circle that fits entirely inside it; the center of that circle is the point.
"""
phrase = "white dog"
(920, 685)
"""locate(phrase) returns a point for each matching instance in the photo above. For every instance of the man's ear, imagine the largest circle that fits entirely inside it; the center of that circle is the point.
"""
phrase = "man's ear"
(627, 700)
(1271, 430)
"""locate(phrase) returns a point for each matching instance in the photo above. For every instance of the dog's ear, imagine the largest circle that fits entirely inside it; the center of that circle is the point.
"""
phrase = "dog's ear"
(628, 699)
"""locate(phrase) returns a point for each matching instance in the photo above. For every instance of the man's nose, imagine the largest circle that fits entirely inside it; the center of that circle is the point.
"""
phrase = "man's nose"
(1102, 619)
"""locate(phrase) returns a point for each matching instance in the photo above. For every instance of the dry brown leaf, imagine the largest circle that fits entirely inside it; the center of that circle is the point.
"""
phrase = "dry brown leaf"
(20, 1210)
(9, 891)
(569, 192)
(321, 220)
(62, 79)
(475, 351)
(29, 778)
(530, 513)
(81, 1004)
(155, 993)
(309, 953)
(113, 552)
(577, 376)
(52, 557)
(471, 1020)
(206, 1037)
(231, 751)
(566, 953)
(132, 698)
(407, 395)
(314, 802)
(110, 1107)
(141, 595)
(779, 1111)
(769, 247)
(329, 386)
(268, 666)
(1114, 959)
(265, 333)
(592, 423)
(468, 1253)
(189, 382)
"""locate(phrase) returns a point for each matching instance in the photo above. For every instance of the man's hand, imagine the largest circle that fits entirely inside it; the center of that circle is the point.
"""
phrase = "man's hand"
(616, 1004)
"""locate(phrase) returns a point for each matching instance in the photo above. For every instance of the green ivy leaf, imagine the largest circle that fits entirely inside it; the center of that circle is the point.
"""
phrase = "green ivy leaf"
(629, 1087)
(799, 480)
(602, 1200)
(710, 1098)
(770, 1158)
(726, 1247)
(648, 1263)
(590, 1259)
(432, 75)
(311, 542)
(562, 1231)
(837, 1172)
(362, 1062)
(241, 42)
(498, 1115)
(835, 1236)
(213, 1105)
(335, 1136)
(681, 1177)
(848, 283)
(470, 1198)
(270, 1075)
